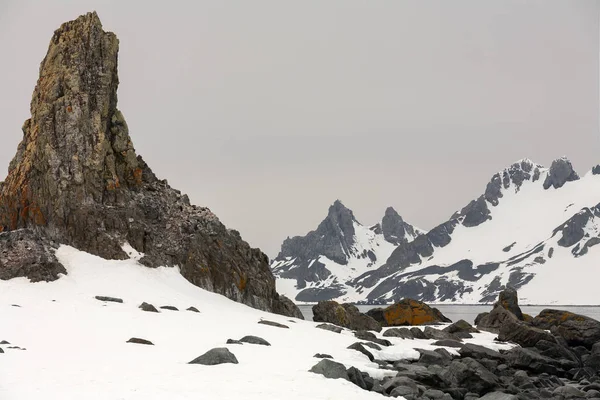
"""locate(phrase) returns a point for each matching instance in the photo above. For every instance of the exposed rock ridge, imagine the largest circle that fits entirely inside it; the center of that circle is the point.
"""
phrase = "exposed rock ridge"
(77, 180)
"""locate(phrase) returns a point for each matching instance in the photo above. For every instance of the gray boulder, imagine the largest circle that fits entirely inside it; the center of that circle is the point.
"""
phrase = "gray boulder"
(109, 299)
(477, 352)
(499, 396)
(330, 369)
(403, 333)
(329, 327)
(448, 343)
(366, 335)
(360, 348)
(147, 307)
(356, 377)
(140, 341)
(193, 309)
(346, 315)
(219, 355)
(254, 340)
(418, 333)
(469, 375)
(272, 323)
(437, 334)
(170, 308)
(577, 330)
(322, 355)
(460, 326)
(569, 392)
(429, 357)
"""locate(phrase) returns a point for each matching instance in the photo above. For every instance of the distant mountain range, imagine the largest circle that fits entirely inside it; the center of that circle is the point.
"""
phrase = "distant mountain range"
(533, 228)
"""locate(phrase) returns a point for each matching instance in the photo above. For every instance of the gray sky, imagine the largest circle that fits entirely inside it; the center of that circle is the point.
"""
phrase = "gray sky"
(268, 111)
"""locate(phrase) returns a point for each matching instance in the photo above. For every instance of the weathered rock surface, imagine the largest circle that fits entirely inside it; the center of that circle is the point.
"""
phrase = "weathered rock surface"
(407, 312)
(219, 355)
(346, 315)
(254, 340)
(273, 323)
(147, 307)
(109, 299)
(329, 327)
(574, 328)
(330, 369)
(561, 171)
(76, 179)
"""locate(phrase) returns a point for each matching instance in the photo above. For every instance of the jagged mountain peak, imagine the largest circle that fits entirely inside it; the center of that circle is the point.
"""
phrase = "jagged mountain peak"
(561, 171)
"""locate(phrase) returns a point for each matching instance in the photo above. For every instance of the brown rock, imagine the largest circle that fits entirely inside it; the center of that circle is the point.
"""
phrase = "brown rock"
(577, 330)
(407, 312)
(76, 179)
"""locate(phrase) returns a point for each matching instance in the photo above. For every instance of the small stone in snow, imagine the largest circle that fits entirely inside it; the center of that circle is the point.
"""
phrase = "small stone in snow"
(108, 298)
(140, 341)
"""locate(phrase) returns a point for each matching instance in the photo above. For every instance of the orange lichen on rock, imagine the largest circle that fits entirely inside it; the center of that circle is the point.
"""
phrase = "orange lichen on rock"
(242, 283)
(407, 312)
(137, 176)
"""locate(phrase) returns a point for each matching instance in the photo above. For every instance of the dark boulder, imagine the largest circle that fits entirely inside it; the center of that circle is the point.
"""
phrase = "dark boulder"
(322, 355)
(170, 308)
(448, 343)
(330, 369)
(329, 327)
(366, 335)
(509, 300)
(499, 396)
(147, 307)
(429, 357)
(403, 333)
(272, 323)
(360, 348)
(233, 341)
(460, 326)
(219, 355)
(400, 382)
(254, 340)
(529, 359)
(140, 341)
(356, 377)
(477, 352)
(346, 315)
(407, 312)
(193, 309)
(109, 299)
(418, 333)
(285, 306)
(469, 375)
(520, 333)
(437, 334)
(577, 330)
(493, 320)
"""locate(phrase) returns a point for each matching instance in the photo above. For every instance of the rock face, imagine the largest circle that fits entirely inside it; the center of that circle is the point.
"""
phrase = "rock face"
(407, 312)
(561, 171)
(346, 315)
(76, 179)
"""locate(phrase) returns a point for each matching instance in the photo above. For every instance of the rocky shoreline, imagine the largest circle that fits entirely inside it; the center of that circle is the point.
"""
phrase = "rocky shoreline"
(554, 355)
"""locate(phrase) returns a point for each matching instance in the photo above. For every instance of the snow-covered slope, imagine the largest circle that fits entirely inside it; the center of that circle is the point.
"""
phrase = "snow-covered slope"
(534, 228)
(76, 345)
(319, 266)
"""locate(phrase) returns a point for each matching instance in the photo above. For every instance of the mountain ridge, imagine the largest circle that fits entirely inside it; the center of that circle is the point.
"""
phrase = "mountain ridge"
(438, 266)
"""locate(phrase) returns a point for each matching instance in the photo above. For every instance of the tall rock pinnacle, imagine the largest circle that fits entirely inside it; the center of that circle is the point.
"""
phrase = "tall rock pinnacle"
(77, 180)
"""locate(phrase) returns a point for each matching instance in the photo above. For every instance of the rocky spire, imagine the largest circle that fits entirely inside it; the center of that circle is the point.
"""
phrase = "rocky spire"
(394, 229)
(77, 180)
(561, 171)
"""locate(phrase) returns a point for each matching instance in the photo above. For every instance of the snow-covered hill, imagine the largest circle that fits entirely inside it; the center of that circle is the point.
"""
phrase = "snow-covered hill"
(76, 345)
(319, 266)
(534, 228)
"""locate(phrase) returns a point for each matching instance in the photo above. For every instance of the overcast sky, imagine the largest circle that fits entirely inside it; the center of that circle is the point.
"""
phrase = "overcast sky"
(268, 111)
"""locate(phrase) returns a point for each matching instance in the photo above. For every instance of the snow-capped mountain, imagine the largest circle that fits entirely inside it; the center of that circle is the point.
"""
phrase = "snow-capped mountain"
(534, 228)
(320, 265)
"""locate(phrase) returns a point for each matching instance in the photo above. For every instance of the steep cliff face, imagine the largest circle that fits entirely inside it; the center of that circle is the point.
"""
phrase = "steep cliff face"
(76, 180)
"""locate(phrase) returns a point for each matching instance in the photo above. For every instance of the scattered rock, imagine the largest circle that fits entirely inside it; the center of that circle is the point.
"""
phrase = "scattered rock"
(429, 357)
(560, 172)
(147, 307)
(436, 334)
(403, 333)
(330, 369)
(346, 315)
(448, 343)
(4, 342)
(233, 341)
(321, 355)
(329, 327)
(372, 345)
(499, 396)
(140, 341)
(193, 309)
(470, 375)
(271, 323)
(460, 326)
(1, 351)
(569, 392)
(477, 352)
(525, 335)
(287, 307)
(16, 305)
(110, 299)
(169, 308)
(356, 377)
(254, 340)
(219, 355)
(418, 333)
(366, 335)
(360, 348)
(407, 312)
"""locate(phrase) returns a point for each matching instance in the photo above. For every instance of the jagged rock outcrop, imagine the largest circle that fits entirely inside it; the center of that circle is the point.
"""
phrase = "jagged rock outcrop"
(561, 171)
(76, 179)
(394, 229)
